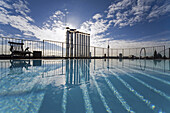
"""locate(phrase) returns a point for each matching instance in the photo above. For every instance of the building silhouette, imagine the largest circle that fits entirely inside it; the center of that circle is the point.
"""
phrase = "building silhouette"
(77, 43)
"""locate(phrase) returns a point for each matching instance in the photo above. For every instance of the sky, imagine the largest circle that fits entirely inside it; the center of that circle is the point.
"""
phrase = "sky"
(121, 23)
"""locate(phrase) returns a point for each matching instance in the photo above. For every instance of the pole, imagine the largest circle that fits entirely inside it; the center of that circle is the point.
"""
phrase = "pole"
(103, 51)
(2, 46)
(88, 45)
(169, 52)
(122, 53)
(117, 52)
(43, 48)
(94, 51)
(164, 52)
(62, 49)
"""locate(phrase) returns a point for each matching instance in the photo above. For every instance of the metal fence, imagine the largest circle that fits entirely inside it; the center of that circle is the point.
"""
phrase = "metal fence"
(47, 47)
(130, 52)
(58, 49)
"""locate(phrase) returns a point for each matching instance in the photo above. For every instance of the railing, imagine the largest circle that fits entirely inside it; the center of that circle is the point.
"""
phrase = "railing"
(129, 52)
(47, 47)
(58, 49)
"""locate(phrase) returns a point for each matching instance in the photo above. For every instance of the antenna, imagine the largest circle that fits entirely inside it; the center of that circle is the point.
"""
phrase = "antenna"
(108, 41)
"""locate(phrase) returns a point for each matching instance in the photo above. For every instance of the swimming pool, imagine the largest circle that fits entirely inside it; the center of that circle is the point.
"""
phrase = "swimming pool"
(85, 86)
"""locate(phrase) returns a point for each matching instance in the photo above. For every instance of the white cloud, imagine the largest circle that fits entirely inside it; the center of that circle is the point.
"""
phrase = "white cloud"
(59, 13)
(159, 11)
(121, 14)
(3, 18)
(4, 4)
(97, 16)
(124, 13)
(53, 29)
(2, 35)
(21, 7)
(18, 35)
(96, 29)
(130, 12)
(4, 11)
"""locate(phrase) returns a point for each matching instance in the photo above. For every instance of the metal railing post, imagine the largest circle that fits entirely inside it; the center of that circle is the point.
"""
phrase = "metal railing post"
(2, 46)
(43, 48)
(122, 52)
(153, 51)
(164, 52)
(169, 52)
(117, 53)
(62, 49)
(94, 51)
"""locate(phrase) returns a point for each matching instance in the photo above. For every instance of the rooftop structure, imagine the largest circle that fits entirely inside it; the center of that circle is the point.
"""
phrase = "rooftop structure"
(77, 43)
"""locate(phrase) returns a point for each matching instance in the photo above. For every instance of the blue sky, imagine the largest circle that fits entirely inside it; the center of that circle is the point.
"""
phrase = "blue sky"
(125, 23)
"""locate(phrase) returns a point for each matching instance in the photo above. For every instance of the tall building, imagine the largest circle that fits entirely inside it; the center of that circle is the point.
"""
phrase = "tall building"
(77, 43)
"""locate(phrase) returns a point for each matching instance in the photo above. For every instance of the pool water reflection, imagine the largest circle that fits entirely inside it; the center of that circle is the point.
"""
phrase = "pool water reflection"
(85, 86)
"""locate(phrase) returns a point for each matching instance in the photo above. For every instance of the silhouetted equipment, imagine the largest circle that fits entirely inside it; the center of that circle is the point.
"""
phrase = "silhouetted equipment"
(37, 62)
(37, 54)
(131, 56)
(17, 49)
(120, 55)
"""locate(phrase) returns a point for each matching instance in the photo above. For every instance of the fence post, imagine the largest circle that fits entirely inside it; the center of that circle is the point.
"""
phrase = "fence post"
(22, 46)
(103, 52)
(2, 46)
(94, 51)
(122, 52)
(111, 53)
(43, 48)
(153, 51)
(169, 52)
(62, 49)
(164, 52)
(117, 53)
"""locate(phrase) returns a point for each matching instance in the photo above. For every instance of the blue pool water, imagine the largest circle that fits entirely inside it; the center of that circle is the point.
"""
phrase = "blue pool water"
(85, 86)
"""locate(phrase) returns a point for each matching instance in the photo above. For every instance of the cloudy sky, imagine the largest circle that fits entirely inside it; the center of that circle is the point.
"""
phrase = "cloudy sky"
(124, 23)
